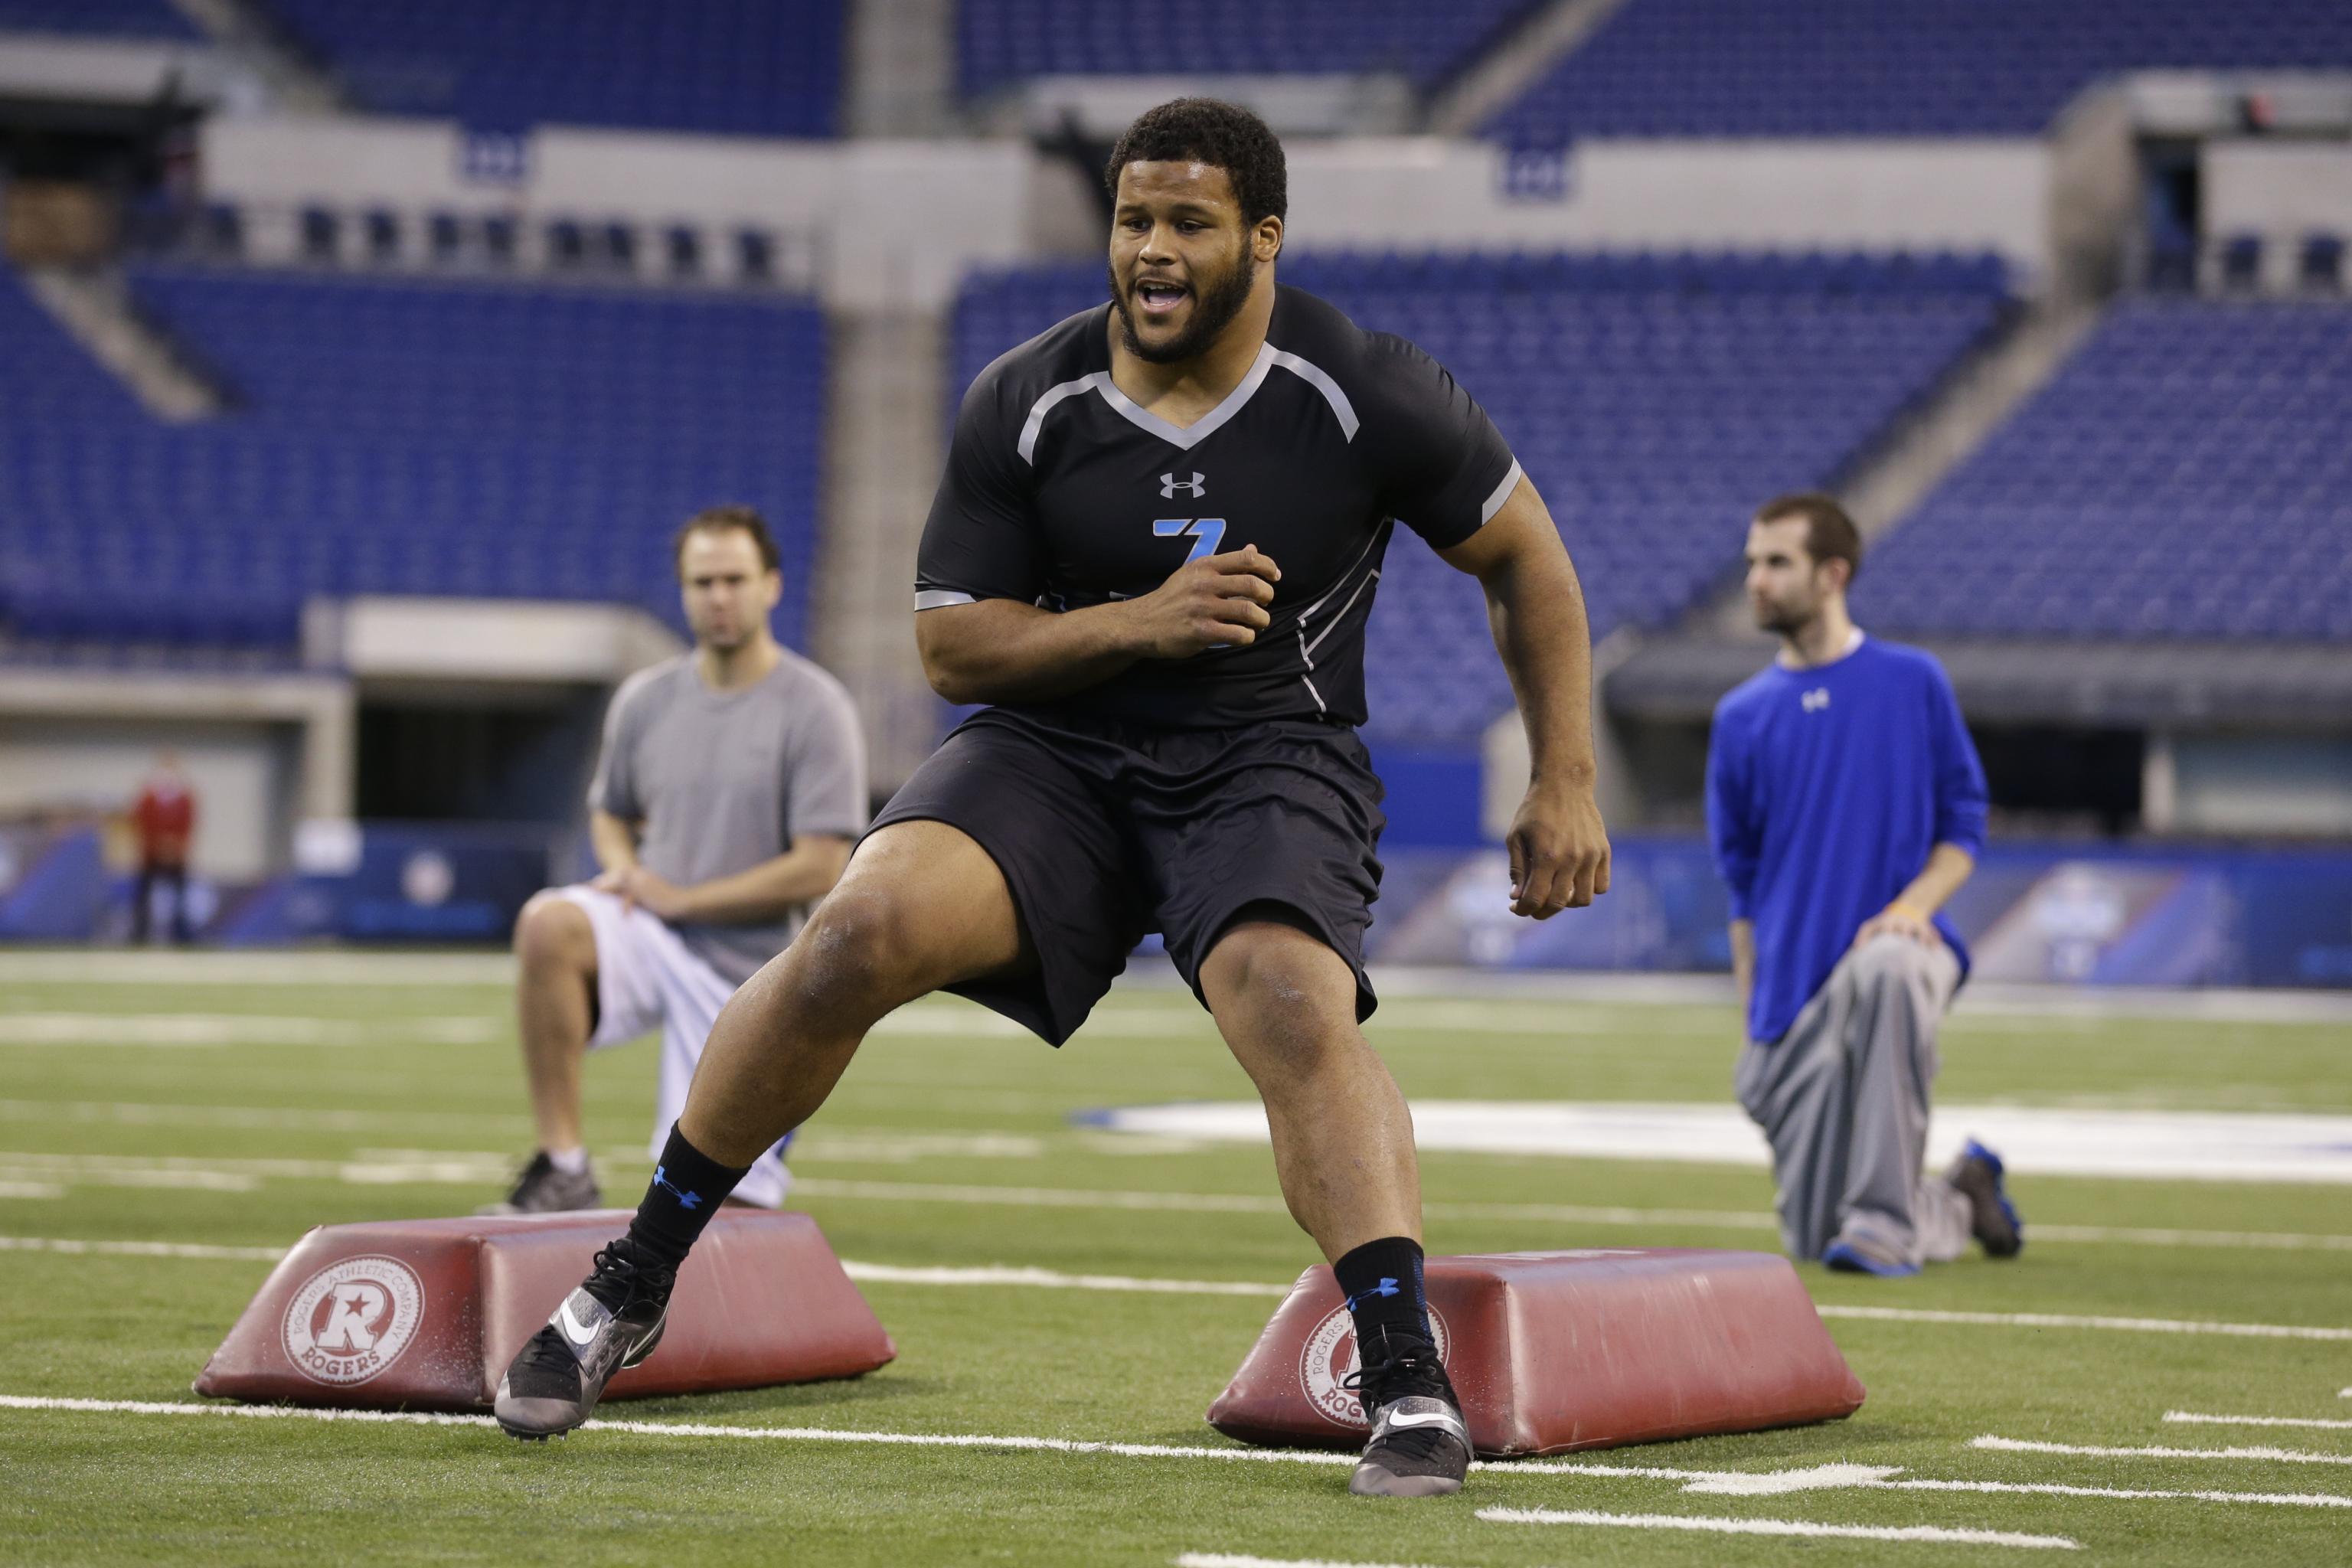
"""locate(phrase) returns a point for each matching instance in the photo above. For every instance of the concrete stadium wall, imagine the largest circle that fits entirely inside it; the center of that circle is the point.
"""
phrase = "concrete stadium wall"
(899, 221)
(1881, 195)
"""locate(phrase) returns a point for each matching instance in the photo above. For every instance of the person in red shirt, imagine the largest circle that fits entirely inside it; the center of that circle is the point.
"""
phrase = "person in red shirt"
(165, 816)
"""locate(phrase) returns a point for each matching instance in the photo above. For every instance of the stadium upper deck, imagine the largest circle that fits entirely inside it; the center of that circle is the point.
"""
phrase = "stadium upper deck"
(396, 437)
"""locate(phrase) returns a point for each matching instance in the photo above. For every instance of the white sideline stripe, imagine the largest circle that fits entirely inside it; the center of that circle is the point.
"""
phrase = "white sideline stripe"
(84, 966)
(2278, 1456)
(851, 1145)
(1822, 1477)
(1053, 1280)
(30, 1191)
(1921, 1533)
(2192, 1418)
(140, 1248)
(2065, 1320)
(206, 1029)
(1050, 1279)
(1243, 1560)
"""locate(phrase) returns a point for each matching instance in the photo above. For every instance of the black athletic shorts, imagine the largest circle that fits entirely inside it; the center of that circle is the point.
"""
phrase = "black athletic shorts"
(1107, 830)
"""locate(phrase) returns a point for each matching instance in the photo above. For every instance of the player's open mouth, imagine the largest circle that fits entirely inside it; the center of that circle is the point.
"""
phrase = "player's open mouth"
(1157, 299)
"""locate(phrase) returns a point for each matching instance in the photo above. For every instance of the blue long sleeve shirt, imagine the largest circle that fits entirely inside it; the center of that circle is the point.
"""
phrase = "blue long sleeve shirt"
(1826, 789)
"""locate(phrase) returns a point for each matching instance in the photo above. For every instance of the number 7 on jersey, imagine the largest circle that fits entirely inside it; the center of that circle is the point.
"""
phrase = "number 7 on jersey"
(1205, 533)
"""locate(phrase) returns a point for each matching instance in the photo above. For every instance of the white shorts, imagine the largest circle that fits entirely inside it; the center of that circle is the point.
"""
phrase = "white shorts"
(648, 978)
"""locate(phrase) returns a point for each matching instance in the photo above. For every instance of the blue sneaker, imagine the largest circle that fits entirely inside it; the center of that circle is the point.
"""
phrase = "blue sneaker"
(1845, 1256)
(1993, 1218)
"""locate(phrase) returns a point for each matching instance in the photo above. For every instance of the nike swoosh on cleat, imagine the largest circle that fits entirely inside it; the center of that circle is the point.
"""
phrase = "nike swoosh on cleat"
(581, 1334)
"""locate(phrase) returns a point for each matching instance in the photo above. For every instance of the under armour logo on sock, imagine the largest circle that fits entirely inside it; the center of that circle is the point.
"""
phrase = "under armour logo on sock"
(1195, 487)
(1385, 1288)
(687, 1200)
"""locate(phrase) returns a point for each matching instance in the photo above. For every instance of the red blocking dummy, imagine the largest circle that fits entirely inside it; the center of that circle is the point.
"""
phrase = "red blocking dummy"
(1556, 1351)
(426, 1314)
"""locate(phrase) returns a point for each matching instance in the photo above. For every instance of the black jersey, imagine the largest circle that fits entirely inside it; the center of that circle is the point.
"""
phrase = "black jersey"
(1061, 491)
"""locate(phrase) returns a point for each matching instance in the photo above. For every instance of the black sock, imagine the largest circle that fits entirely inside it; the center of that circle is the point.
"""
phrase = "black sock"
(1381, 1280)
(687, 1187)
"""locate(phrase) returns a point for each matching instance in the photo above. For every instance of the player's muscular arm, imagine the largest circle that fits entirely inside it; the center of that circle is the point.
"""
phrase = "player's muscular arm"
(1911, 914)
(1559, 849)
(1000, 651)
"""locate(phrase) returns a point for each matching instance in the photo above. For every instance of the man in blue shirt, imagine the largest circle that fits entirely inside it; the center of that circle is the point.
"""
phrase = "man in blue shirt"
(1846, 806)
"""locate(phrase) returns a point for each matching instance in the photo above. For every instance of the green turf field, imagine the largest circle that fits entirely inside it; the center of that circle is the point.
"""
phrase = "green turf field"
(231, 1107)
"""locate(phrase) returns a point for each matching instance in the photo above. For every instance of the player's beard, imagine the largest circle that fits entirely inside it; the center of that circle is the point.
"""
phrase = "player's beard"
(1785, 620)
(1212, 312)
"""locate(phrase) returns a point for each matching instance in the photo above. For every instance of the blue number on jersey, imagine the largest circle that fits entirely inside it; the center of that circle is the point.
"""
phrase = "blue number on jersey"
(1205, 531)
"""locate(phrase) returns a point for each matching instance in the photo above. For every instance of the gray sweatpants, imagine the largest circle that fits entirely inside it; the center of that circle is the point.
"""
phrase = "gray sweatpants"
(1842, 1097)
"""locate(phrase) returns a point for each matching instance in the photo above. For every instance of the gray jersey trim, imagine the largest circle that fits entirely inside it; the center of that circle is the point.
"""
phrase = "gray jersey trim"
(1502, 493)
(1315, 377)
(1044, 406)
(1184, 438)
(940, 598)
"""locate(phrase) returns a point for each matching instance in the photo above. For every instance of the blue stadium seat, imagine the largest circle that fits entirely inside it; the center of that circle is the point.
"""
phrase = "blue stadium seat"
(1893, 68)
(99, 18)
(2185, 476)
(396, 437)
(751, 67)
(1654, 400)
(999, 42)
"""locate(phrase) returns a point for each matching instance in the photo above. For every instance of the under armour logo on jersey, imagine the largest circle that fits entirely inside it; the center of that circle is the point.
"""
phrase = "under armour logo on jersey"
(1816, 700)
(1195, 487)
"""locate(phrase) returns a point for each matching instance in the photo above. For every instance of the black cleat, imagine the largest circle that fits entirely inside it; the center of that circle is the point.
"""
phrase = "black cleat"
(1993, 1218)
(609, 1325)
(543, 1189)
(1420, 1446)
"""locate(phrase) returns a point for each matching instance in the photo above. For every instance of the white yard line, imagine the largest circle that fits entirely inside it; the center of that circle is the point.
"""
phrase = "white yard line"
(2189, 1417)
(1050, 1279)
(2273, 1456)
(140, 1248)
(2067, 1320)
(212, 1029)
(1932, 1533)
(1010, 1275)
(1867, 1478)
(30, 1192)
(92, 966)
(883, 1146)
(346, 967)
(1243, 1560)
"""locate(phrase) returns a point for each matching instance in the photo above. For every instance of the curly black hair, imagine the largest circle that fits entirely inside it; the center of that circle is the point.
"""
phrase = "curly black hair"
(1205, 131)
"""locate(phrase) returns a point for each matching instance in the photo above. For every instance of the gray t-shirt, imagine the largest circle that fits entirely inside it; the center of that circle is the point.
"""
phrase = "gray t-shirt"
(721, 781)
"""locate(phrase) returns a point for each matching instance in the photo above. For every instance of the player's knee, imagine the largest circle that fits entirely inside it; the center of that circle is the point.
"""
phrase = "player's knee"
(860, 943)
(553, 933)
(1282, 986)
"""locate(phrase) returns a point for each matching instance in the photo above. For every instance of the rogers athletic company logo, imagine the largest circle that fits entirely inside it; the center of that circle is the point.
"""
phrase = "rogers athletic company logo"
(351, 1320)
(1329, 1359)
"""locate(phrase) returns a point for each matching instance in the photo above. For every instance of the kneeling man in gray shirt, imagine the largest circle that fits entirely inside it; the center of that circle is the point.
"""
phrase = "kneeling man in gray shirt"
(730, 787)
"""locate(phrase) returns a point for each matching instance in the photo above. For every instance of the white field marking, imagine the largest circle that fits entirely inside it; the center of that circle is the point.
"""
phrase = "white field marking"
(87, 967)
(2161, 1145)
(1243, 1560)
(2277, 1455)
(2188, 1417)
(1009, 1275)
(30, 1191)
(1051, 1280)
(1820, 1477)
(1934, 1533)
(877, 1145)
(2069, 1321)
(188, 1250)
(173, 1030)
(352, 967)
(131, 1177)
(1814, 1478)
(367, 1168)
